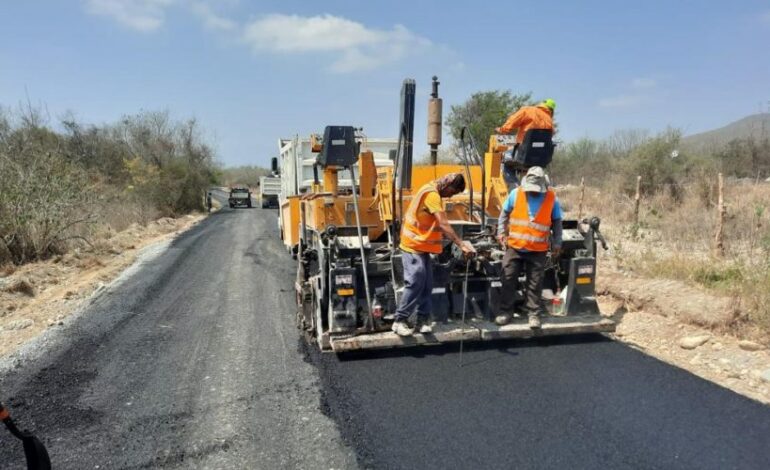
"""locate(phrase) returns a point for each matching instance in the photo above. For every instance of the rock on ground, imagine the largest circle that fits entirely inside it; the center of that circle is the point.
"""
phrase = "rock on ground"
(747, 345)
(19, 324)
(692, 342)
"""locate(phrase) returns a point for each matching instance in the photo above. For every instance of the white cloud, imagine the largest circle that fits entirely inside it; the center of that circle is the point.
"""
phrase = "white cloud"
(622, 101)
(643, 83)
(140, 15)
(350, 45)
(210, 19)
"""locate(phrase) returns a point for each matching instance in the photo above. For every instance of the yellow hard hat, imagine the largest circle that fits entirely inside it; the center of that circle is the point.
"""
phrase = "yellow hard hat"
(549, 103)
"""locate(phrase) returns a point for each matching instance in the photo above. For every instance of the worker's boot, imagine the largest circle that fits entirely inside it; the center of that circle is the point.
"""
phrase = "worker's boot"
(502, 319)
(423, 326)
(402, 329)
(534, 321)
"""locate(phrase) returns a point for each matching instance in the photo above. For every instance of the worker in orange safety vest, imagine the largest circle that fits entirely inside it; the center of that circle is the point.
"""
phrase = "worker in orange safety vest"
(424, 226)
(529, 224)
(526, 118)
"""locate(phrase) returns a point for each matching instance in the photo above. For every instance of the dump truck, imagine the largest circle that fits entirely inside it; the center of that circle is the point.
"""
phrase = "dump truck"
(269, 190)
(349, 273)
(240, 196)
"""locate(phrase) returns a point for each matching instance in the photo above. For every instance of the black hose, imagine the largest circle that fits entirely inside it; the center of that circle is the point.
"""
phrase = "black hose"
(34, 450)
(396, 174)
(480, 162)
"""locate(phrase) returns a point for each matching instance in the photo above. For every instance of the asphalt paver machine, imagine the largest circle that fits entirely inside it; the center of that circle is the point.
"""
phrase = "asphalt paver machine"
(349, 276)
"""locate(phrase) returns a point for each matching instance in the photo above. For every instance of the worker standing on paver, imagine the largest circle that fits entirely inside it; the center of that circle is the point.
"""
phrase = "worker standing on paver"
(526, 118)
(530, 215)
(425, 224)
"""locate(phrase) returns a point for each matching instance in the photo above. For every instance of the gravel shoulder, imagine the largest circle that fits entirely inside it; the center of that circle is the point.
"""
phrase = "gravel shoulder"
(39, 297)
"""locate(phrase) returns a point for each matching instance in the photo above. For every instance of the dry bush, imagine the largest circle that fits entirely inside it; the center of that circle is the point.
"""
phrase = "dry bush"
(70, 190)
(7, 269)
(43, 196)
(21, 286)
(675, 237)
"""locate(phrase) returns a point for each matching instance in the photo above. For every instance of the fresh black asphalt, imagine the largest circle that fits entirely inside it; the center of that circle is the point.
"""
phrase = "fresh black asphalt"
(193, 362)
(583, 402)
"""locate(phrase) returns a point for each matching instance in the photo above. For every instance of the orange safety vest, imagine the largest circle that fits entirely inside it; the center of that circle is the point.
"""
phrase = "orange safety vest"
(424, 238)
(526, 234)
(526, 118)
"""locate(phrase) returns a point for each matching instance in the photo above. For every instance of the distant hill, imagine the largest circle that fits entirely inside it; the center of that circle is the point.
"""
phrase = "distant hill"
(756, 125)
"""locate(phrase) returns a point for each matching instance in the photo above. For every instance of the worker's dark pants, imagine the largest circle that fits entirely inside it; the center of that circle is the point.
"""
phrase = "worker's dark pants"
(532, 263)
(418, 286)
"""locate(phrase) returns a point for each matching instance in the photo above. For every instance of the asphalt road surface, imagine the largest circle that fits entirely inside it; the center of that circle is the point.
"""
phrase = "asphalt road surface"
(193, 361)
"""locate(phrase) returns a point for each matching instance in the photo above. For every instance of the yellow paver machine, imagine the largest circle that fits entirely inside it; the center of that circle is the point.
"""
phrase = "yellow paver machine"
(349, 276)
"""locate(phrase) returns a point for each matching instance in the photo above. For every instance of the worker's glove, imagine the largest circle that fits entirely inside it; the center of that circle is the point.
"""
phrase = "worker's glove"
(556, 251)
(468, 250)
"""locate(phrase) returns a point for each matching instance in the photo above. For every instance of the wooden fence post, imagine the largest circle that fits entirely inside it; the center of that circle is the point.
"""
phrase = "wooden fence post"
(637, 199)
(582, 197)
(719, 243)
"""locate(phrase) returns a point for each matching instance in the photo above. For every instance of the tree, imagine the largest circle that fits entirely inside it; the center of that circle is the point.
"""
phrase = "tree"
(655, 161)
(745, 158)
(483, 112)
(246, 174)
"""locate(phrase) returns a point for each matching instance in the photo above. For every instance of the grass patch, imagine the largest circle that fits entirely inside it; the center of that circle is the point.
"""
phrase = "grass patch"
(715, 276)
(708, 273)
(746, 282)
(755, 297)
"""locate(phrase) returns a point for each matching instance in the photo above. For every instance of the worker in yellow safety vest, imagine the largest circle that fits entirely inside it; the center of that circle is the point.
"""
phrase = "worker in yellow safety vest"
(424, 226)
(529, 223)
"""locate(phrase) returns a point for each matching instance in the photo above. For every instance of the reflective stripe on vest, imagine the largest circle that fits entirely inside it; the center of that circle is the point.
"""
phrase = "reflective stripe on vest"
(425, 238)
(530, 234)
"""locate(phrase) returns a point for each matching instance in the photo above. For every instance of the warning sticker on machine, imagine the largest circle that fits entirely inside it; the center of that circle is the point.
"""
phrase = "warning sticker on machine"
(587, 269)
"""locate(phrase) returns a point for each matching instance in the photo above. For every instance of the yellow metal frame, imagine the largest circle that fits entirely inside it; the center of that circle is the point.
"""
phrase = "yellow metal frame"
(323, 205)
(290, 221)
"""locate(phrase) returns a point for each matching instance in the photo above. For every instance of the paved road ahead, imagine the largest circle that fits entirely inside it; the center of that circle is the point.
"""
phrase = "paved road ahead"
(193, 362)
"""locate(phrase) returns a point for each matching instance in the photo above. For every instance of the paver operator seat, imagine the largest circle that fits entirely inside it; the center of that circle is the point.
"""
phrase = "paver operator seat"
(535, 150)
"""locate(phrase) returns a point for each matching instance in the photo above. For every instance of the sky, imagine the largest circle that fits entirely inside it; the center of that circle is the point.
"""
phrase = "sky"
(253, 72)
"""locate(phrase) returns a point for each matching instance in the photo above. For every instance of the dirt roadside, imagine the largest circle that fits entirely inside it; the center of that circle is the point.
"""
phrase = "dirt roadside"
(683, 326)
(40, 296)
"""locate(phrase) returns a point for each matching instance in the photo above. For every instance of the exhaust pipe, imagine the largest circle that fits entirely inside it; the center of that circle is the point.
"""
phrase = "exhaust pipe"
(435, 105)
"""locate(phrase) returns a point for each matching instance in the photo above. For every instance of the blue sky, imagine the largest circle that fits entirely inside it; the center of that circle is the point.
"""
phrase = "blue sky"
(252, 72)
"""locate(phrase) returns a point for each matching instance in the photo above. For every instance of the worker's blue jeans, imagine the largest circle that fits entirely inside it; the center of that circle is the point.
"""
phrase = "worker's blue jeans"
(418, 286)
